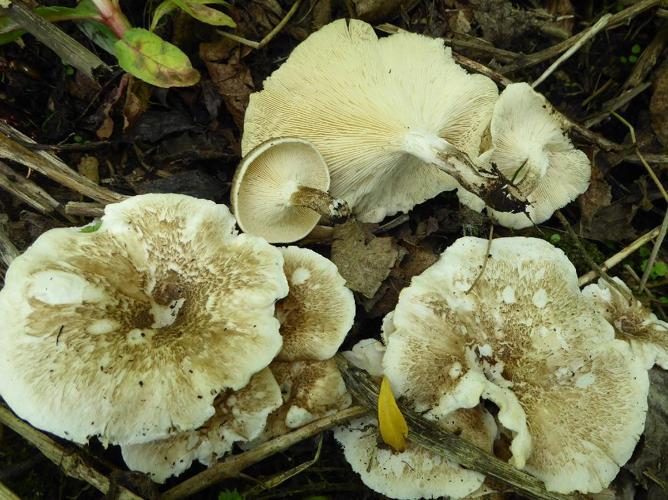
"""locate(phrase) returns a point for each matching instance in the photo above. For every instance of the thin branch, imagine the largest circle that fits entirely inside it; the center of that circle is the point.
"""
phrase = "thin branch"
(655, 253)
(648, 58)
(69, 459)
(586, 36)
(233, 465)
(84, 209)
(270, 36)
(620, 256)
(616, 103)
(8, 251)
(50, 166)
(7, 494)
(437, 440)
(26, 190)
(615, 20)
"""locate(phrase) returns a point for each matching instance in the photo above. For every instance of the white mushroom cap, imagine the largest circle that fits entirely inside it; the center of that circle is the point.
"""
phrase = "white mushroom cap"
(525, 338)
(311, 390)
(129, 332)
(318, 311)
(634, 323)
(240, 416)
(377, 110)
(367, 355)
(530, 146)
(265, 182)
(415, 472)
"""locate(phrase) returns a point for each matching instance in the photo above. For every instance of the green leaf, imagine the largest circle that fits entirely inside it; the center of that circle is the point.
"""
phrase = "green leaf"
(199, 10)
(555, 238)
(636, 49)
(660, 269)
(230, 495)
(151, 59)
(100, 34)
(92, 227)
(160, 11)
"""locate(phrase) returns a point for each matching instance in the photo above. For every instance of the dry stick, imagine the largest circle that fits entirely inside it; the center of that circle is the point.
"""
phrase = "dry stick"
(8, 251)
(655, 252)
(614, 21)
(84, 209)
(586, 36)
(69, 460)
(592, 137)
(648, 58)
(69, 50)
(437, 440)
(616, 103)
(7, 494)
(649, 158)
(50, 166)
(262, 43)
(620, 256)
(232, 466)
(26, 190)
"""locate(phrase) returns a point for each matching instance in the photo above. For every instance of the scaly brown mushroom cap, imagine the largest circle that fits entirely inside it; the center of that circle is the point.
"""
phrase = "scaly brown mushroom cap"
(130, 332)
(521, 335)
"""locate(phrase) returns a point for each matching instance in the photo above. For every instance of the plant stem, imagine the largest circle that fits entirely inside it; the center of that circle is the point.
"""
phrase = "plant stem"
(320, 202)
(113, 16)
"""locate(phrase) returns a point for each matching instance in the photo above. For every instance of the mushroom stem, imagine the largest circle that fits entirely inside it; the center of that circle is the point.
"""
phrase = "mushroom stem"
(320, 202)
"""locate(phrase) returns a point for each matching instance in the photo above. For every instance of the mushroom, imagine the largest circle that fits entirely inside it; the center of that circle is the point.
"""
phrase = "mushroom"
(129, 330)
(530, 147)
(311, 390)
(240, 416)
(396, 119)
(415, 472)
(633, 322)
(279, 191)
(518, 332)
(318, 311)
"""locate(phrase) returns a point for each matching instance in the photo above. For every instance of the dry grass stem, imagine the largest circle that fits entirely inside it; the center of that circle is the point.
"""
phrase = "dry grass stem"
(655, 252)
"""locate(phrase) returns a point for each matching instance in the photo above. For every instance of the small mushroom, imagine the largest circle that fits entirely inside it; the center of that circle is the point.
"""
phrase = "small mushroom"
(129, 329)
(280, 188)
(240, 417)
(530, 147)
(318, 311)
(416, 472)
(633, 322)
(518, 332)
(396, 119)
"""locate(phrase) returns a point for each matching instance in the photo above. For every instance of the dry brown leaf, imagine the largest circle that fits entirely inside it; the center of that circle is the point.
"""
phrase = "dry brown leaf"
(598, 196)
(231, 77)
(363, 260)
(89, 167)
(136, 101)
(659, 105)
(375, 11)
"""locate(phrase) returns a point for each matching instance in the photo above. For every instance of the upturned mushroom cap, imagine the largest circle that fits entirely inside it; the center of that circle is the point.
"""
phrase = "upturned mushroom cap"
(240, 417)
(525, 338)
(311, 390)
(264, 183)
(415, 472)
(367, 355)
(318, 311)
(633, 323)
(529, 146)
(376, 109)
(130, 332)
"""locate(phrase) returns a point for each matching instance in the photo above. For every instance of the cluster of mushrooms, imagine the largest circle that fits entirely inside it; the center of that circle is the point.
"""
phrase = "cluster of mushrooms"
(162, 329)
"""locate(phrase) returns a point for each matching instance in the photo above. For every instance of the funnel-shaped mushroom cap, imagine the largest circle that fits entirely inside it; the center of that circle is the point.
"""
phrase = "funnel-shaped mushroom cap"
(310, 389)
(130, 331)
(264, 183)
(318, 311)
(525, 338)
(415, 472)
(530, 147)
(373, 107)
(634, 323)
(240, 417)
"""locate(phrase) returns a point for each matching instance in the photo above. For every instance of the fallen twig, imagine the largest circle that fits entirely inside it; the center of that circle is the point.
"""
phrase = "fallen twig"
(8, 251)
(68, 459)
(50, 166)
(26, 190)
(434, 438)
(615, 20)
(616, 103)
(586, 35)
(620, 256)
(655, 252)
(270, 36)
(648, 58)
(233, 465)
(67, 48)
(84, 209)
(7, 494)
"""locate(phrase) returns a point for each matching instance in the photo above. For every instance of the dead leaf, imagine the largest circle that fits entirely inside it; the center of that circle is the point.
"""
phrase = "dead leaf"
(612, 223)
(562, 8)
(136, 101)
(231, 77)
(363, 260)
(89, 167)
(659, 104)
(375, 11)
(598, 196)
(649, 464)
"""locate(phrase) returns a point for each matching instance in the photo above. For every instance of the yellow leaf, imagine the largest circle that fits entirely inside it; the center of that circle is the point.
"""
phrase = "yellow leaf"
(392, 424)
